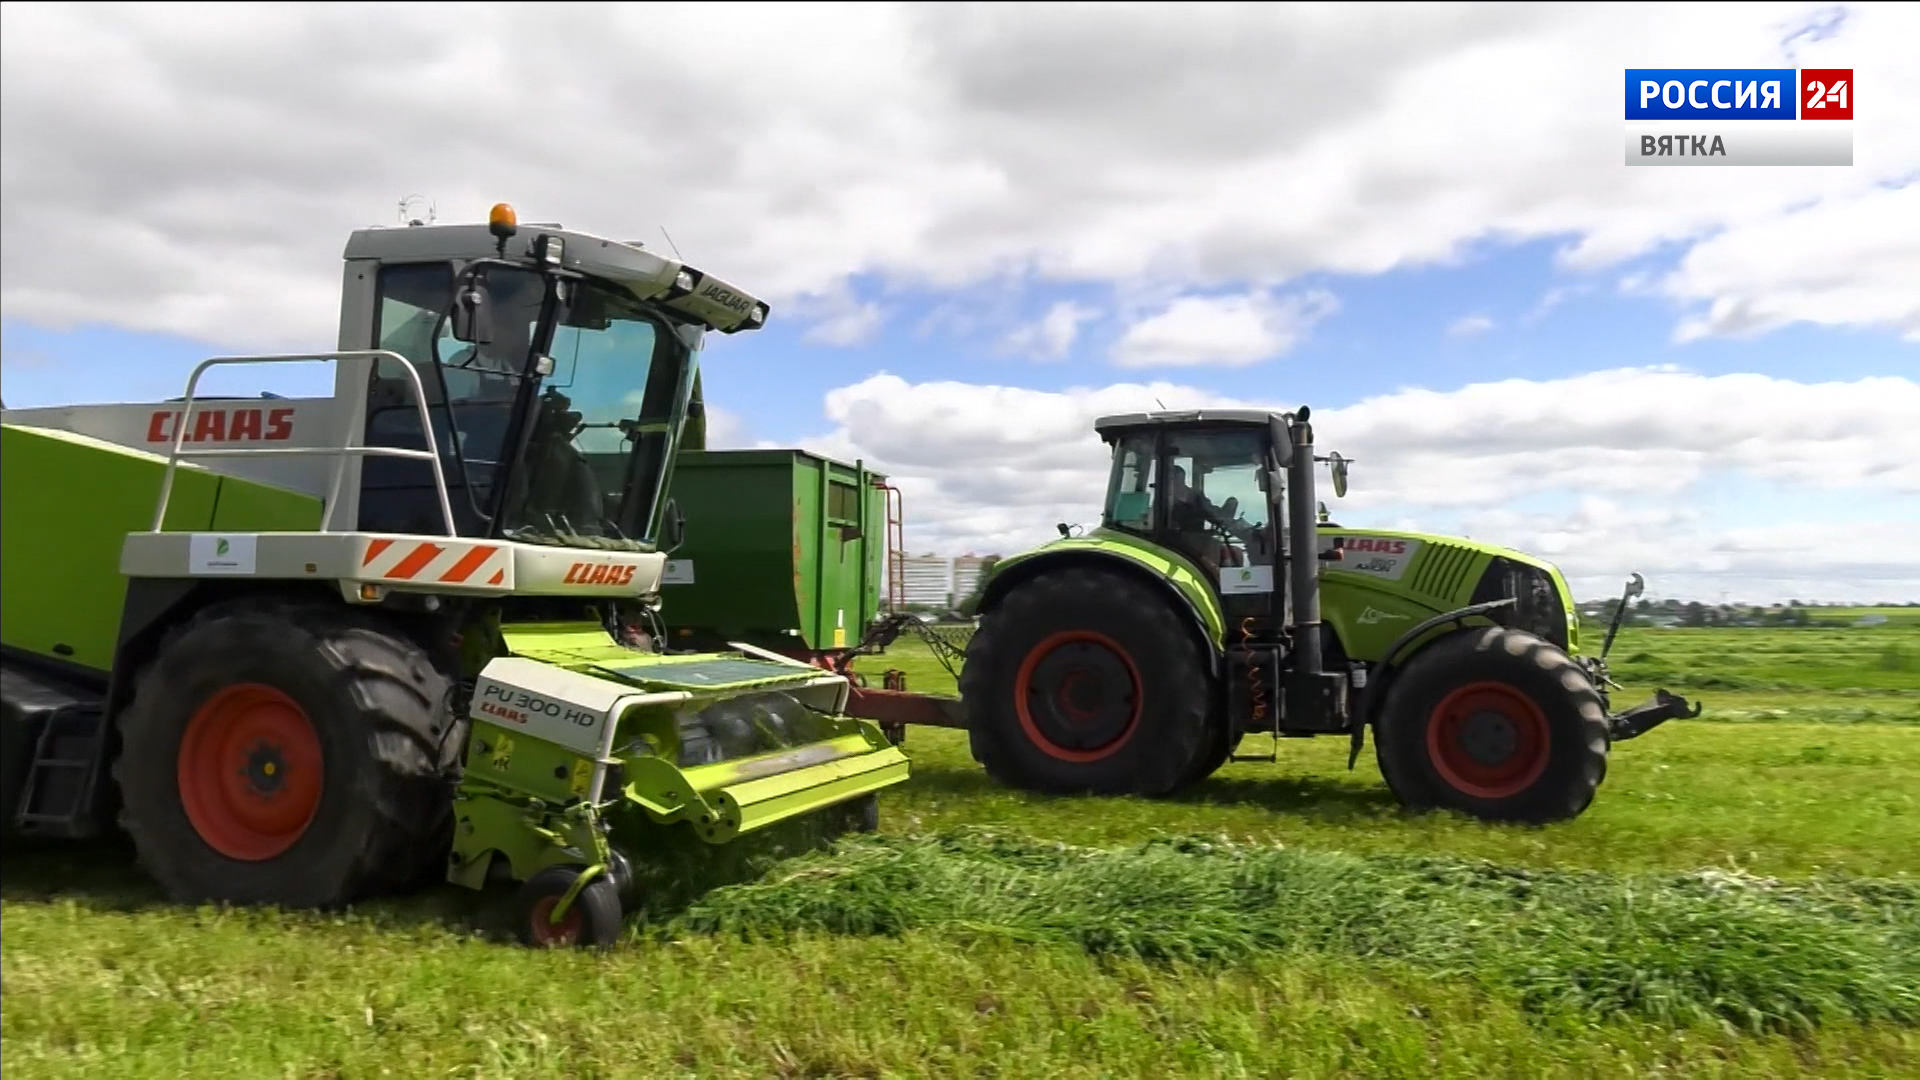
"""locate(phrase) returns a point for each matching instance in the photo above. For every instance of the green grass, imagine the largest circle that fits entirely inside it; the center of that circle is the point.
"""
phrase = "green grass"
(1741, 900)
(1909, 616)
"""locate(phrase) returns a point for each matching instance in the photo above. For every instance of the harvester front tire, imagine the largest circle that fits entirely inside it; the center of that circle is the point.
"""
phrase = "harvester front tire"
(287, 753)
(1086, 681)
(1495, 723)
(592, 920)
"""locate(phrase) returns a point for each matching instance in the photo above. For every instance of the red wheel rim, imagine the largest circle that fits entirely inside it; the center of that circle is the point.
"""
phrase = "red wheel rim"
(1077, 695)
(1488, 740)
(546, 932)
(250, 772)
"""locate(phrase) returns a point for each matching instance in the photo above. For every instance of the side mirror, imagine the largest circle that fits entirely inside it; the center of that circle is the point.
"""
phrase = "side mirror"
(1232, 507)
(1339, 474)
(673, 528)
(1635, 586)
(472, 318)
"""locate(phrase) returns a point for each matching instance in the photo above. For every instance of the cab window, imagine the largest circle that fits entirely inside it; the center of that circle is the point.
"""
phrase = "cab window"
(1130, 489)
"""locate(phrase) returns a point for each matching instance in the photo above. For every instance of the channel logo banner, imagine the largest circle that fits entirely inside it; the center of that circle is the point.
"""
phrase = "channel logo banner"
(1739, 116)
(1712, 94)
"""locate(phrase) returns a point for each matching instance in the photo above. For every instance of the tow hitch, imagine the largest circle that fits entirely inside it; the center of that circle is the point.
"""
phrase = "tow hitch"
(1650, 714)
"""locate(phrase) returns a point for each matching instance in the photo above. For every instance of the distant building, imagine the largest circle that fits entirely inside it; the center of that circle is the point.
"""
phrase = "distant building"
(926, 581)
(966, 575)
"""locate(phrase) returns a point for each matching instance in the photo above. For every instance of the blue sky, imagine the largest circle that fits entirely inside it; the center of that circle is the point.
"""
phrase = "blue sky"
(1696, 372)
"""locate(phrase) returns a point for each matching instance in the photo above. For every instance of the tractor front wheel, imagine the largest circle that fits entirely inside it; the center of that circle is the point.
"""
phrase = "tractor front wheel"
(287, 753)
(1495, 723)
(1084, 680)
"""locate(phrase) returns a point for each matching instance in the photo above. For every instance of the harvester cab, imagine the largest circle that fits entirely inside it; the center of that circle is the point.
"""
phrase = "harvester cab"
(1211, 603)
(309, 648)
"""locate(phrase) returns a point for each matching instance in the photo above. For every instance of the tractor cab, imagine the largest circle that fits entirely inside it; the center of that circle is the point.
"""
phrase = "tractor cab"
(1211, 485)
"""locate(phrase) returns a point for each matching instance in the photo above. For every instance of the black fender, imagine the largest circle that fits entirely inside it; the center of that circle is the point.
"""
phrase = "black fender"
(1004, 581)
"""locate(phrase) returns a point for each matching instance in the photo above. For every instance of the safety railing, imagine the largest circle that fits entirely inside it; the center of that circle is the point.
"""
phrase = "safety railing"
(350, 442)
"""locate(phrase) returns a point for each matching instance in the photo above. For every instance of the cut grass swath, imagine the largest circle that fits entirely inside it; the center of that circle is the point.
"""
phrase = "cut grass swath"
(1757, 954)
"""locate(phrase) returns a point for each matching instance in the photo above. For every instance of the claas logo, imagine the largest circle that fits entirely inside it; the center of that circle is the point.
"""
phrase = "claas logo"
(1376, 545)
(224, 425)
(582, 573)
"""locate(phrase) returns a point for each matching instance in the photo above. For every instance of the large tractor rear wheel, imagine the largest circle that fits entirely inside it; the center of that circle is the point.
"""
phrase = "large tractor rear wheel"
(1495, 723)
(288, 753)
(1220, 745)
(1083, 680)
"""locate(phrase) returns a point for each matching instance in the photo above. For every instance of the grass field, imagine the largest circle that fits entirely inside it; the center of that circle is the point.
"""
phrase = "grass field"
(1743, 899)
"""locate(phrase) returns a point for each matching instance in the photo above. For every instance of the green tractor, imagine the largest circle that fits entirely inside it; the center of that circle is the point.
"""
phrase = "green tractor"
(309, 650)
(1211, 603)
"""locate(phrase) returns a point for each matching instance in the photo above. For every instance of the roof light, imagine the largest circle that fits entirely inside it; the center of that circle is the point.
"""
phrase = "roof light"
(683, 281)
(502, 221)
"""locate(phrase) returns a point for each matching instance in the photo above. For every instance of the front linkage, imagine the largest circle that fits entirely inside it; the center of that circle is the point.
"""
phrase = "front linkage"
(1649, 714)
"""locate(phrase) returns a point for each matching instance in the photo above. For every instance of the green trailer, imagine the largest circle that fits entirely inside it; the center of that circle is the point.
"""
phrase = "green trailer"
(783, 549)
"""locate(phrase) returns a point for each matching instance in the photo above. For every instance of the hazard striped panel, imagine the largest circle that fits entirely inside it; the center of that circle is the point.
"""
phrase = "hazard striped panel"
(437, 562)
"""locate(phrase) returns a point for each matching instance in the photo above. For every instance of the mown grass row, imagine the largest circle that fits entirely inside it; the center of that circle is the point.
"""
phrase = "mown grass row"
(1761, 955)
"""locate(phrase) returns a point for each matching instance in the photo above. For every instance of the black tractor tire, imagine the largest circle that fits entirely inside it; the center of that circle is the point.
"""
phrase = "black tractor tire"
(1221, 744)
(1495, 723)
(593, 920)
(1084, 680)
(284, 752)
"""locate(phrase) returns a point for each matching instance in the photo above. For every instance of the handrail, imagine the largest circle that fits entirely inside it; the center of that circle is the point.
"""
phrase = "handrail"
(350, 442)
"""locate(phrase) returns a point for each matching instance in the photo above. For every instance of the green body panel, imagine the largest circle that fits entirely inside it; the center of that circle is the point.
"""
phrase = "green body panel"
(786, 549)
(524, 799)
(68, 503)
(1370, 613)
(1162, 562)
(1366, 611)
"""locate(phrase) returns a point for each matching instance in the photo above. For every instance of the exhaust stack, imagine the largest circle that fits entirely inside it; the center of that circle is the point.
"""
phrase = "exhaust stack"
(1303, 530)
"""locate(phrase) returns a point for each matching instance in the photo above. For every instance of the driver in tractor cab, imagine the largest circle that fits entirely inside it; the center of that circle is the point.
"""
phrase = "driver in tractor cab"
(1215, 535)
(1189, 514)
(576, 506)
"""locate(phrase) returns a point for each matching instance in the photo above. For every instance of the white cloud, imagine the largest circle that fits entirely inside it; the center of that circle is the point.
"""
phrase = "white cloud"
(1637, 452)
(1227, 331)
(726, 430)
(1853, 263)
(1053, 335)
(202, 176)
(1470, 326)
(853, 324)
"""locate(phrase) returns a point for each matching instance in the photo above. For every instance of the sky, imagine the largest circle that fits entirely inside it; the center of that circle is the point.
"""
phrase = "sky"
(982, 226)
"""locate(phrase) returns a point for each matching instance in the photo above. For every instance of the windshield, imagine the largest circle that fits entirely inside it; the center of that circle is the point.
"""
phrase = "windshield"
(601, 425)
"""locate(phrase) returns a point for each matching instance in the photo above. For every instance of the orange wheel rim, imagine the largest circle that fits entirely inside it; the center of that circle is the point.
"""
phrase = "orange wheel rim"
(546, 932)
(250, 772)
(1078, 697)
(1488, 740)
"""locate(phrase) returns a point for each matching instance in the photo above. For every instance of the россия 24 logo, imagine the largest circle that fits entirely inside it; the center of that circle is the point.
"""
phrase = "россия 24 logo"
(1739, 93)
